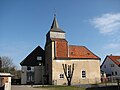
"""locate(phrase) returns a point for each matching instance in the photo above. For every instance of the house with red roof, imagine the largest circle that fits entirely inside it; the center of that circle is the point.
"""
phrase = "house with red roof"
(111, 66)
(57, 53)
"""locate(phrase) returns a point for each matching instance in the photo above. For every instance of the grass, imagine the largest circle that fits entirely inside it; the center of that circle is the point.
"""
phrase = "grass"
(61, 88)
(51, 87)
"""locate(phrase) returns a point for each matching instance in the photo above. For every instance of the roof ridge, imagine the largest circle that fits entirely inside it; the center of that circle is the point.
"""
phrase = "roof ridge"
(113, 56)
(76, 45)
(92, 53)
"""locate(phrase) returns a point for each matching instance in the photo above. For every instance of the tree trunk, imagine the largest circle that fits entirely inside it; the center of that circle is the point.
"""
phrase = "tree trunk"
(69, 83)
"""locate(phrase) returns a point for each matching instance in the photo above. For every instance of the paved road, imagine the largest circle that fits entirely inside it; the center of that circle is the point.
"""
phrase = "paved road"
(25, 87)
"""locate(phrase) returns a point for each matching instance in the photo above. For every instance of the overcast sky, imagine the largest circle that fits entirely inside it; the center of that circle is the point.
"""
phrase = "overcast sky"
(91, 23)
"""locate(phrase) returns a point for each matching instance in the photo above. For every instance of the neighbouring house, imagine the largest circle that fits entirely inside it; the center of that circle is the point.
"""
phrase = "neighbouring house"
(111, 66)
(33, 67)
(59, 52)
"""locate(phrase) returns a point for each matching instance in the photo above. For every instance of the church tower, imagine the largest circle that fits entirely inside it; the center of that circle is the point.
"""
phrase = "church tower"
(55, 39)
(55, 32)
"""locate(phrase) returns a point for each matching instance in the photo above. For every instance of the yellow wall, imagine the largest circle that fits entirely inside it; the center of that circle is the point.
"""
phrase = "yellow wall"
(92, 68)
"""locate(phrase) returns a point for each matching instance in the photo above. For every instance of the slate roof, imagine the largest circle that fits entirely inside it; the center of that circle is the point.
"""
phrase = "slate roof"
(31, 59)
(55, 27)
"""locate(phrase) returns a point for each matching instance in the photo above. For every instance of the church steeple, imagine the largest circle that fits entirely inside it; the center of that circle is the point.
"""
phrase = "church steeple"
(55, 23)
(55, 32)
(55, 26)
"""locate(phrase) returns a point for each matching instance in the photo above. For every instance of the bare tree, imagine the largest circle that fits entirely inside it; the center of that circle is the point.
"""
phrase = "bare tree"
(6, 64)
(68, 71)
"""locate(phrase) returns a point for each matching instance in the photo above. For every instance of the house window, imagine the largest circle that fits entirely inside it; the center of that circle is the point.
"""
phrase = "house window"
(39, 58)
(112, 73)
(28, 68)
(112, 65)
(32, 68)
(61, 75)
(83, 74)
(115, 72)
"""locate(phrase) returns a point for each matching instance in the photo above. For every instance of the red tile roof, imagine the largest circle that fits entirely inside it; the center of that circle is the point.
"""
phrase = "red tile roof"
(62, 50)
(81, 52)
(115, 59)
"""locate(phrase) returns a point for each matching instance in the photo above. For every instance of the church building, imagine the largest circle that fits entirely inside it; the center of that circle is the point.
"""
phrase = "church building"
(57, 53)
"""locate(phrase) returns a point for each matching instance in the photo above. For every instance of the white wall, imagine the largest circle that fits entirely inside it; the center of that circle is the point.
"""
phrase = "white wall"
(110, 69)
(57, 35)
(39, 72)
(8, 84)
(24, 75)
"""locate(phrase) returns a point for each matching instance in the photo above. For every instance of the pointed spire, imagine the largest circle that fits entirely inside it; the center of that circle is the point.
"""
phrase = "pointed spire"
(55, 23)
(55, 26)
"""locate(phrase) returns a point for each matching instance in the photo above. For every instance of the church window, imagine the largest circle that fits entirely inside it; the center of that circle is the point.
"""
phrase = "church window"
(61, 75)
(83, 74)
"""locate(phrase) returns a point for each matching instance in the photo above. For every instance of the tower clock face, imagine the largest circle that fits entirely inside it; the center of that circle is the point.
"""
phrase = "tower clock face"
(57, 35)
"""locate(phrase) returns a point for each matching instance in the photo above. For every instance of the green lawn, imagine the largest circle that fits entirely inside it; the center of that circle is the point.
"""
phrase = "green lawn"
(61, 88)
(51, 87)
